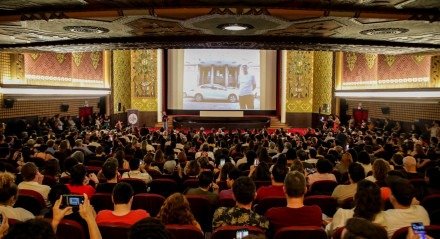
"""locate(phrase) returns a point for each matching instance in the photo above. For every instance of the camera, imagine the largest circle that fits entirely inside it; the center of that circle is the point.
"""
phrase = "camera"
(419, 229)
(222, 162)
(72, 200)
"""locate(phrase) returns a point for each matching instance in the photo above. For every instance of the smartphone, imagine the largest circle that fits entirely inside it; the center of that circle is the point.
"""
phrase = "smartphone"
(222, 162)
(72, 200)
(240, 234)
(256, 162)
(419, 229)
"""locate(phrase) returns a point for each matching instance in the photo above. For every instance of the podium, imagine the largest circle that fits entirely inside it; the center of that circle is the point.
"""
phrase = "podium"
(85, 111)
(359, 115)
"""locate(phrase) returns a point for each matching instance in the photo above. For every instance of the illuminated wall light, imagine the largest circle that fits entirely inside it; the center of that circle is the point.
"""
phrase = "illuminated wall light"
(39, 91)
(389, 94)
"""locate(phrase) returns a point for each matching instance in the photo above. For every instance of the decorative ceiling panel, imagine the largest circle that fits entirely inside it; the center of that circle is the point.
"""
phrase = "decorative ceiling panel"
(394, 26)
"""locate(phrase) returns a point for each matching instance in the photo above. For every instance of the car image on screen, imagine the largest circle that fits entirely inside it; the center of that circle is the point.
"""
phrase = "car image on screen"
(208, 92)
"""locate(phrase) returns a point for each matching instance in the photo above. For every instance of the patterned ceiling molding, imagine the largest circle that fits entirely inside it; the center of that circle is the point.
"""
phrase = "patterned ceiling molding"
(351, 60)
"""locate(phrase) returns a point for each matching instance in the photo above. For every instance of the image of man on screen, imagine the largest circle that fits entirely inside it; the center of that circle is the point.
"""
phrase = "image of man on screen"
(246, 84)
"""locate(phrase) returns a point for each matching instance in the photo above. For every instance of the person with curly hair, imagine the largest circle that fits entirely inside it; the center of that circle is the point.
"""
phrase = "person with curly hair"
(176, 210)
(368, 205)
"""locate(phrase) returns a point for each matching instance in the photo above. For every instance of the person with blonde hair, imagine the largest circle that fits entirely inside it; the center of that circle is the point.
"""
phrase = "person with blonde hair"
(8, 197)
(176, 210)
(345, 162)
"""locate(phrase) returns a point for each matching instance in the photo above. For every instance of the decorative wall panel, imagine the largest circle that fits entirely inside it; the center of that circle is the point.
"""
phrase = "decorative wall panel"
(322, 82)
(121, 80)
(81, 69)
(144, 80)
(299, 81)
(371, 71)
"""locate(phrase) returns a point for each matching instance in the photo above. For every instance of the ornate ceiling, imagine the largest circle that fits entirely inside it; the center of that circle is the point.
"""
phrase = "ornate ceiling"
(380, 26)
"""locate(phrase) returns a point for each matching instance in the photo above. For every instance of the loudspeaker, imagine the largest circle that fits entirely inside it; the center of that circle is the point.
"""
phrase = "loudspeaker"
(385, 110)
(64, 107)
(8, 103)
(101, 105)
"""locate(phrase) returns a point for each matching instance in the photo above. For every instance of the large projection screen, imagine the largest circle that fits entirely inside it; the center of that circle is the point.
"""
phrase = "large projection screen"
(221, 79)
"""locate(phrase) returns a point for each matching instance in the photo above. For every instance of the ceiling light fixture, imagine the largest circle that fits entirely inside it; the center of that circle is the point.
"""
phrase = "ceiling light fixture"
(235, 26)
(86, 29)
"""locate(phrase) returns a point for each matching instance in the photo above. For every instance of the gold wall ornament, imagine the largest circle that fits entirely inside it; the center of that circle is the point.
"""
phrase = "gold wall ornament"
(61, 57)
(418, 58)
(95, 57)
(322, 81)
(121, 83)
(35, 56)
(371, 60)
(390, 59)
(77, 58)
(435, 72)
(351, 60)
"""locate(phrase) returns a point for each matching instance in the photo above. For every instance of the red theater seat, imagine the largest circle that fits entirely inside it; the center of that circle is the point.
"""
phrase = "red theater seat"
(149, 202)
(185, 231)
(301, 232)
(229, 232)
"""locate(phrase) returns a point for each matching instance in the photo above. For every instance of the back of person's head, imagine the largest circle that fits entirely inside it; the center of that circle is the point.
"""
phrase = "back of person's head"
(134, 163)
(356, 172)
(364, 157)
(78, 173)
(313, 152)
(409, 161)
(297, 166)
(205, 179)
(380, 170)
(110, 169)
(367, 200)
(360, 228)
(279, 172)
(31, 229)
(244, 190)
(291, 154)
(149, 228)
(402, 190)
(233, 174)
(324, 166)
(28, 171)
(295, 184)
(56, 191)
(176, 210)
(122, 193)
(8, 188)
(69, 163)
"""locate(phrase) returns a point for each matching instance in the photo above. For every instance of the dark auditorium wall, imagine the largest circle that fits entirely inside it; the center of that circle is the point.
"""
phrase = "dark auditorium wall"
(399, 111)
(41, 108)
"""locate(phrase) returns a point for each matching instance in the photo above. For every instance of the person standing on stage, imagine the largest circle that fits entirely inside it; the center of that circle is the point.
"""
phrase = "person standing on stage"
(246, 84)
(165, 120)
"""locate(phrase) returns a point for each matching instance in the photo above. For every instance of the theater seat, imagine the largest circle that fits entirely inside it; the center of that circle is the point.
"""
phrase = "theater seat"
(149, 202)
(266, 203)
(138, 185)
(113, 230)
(202, 209)
(431, 204)
(163, 186)
(70, 229)
(102, 201)
(324, 187)
(301, 232)
(432, 230)
(327, 204)
(31, 201)
(226, 202)
(185, 231)
(229, 232)
(190, 183)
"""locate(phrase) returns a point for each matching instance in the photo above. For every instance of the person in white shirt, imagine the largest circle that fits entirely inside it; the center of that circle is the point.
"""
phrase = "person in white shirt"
(355, 174)
(404, 213)
(32, 180)
(8, 196)
(324, 169)
(136, 171)
(367, 202)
